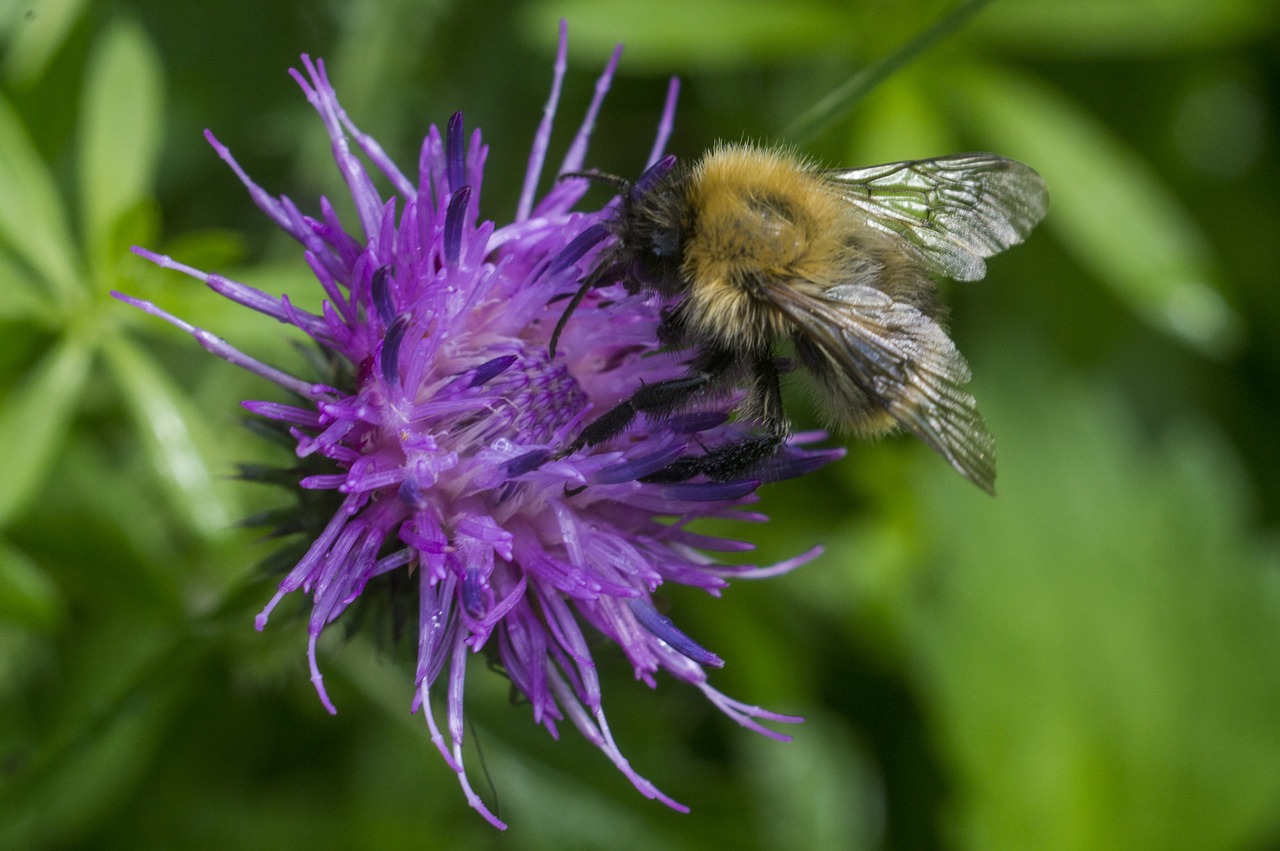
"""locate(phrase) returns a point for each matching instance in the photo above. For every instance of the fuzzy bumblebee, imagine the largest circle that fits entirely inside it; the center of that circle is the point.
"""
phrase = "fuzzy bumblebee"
(752, 247)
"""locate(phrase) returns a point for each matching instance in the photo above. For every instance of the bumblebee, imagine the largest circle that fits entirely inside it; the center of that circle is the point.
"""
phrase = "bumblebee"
(752, 247)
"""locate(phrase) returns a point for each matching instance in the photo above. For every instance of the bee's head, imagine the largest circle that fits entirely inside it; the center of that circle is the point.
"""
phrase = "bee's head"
(650, 227)
(647, 231)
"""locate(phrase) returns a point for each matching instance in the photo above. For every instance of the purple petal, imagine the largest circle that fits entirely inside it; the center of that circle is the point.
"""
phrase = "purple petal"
(662, 627)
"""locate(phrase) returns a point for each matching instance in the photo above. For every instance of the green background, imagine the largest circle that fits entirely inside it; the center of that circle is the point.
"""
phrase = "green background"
(1090, 660)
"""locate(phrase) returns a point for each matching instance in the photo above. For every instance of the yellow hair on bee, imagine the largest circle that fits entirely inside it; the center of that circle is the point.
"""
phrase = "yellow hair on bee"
(763, 218)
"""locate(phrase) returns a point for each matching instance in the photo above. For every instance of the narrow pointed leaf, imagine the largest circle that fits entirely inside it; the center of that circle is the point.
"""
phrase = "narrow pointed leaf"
(76, 777)
(1106, 205)
(1115, 690)
(34, 421)
(33, 220)
(24, 297)
(175, 437)
(28, 596)
(120, 127)
(34, 38)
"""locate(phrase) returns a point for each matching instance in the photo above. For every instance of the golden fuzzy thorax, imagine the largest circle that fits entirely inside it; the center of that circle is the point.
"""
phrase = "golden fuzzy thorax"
(762, 219)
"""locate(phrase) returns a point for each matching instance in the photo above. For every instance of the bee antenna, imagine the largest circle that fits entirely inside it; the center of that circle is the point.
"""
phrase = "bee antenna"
(619, 183)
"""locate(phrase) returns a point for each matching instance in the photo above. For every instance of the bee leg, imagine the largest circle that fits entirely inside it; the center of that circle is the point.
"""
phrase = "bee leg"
(658, 399)
(603, 272)
(763, 406)
(724, 463)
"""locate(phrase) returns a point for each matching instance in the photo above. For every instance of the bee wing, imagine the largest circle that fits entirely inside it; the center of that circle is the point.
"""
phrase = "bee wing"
(903, 361)
(951, 211)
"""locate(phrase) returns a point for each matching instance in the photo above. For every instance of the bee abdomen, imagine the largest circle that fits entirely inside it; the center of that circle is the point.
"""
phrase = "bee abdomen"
(843, 404)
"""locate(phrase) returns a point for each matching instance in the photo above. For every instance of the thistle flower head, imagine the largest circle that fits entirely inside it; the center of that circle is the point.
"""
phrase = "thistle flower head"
(445, 446)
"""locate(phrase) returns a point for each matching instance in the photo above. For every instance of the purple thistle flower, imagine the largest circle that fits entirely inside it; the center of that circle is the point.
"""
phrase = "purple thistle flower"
(442, 451)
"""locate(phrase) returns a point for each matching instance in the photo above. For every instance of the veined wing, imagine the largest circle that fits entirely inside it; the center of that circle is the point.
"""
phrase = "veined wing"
(951, 211)
(905, 363)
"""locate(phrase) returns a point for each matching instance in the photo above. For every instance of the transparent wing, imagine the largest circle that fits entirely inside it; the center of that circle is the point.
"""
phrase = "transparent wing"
(951, 211)
(905, 363)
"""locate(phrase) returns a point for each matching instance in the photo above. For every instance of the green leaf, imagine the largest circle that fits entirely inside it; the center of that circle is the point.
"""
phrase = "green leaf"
(33, 220)
(24, 298)
(1106, 205)
(1099, 646)
(818, 791)
(120, 132)
(1082, 28)
(176, 437)
(33, 34)
(97, 777)
(35, 419)
(28, 596)
(717, 34)
(118, 695)
(898, 121)
(550, 807)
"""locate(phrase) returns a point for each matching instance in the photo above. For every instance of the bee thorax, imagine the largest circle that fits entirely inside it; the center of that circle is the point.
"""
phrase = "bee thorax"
(733, 312)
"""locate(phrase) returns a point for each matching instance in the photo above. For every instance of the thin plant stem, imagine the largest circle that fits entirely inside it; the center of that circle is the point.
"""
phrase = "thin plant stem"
(840, 100)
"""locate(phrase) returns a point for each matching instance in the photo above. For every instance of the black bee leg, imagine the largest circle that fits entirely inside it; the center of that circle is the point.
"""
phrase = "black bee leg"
(603, 272)
(658, 399)
(661, 397)
(724, 463)
(763, 406)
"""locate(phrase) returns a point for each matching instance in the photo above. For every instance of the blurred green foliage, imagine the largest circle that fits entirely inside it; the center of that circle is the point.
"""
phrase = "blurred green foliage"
(1091, 660)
